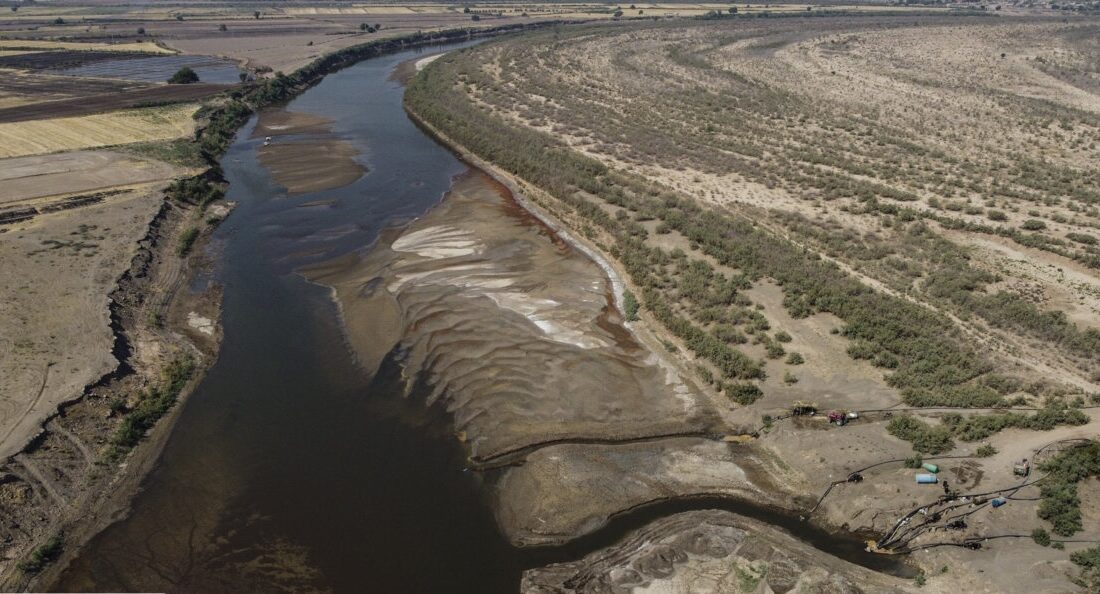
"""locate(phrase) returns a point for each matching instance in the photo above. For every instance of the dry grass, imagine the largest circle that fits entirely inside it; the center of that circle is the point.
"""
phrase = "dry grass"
(119, 127)
(47, 45)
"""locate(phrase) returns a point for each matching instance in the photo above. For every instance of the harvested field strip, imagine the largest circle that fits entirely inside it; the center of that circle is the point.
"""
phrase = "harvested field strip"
(24, 87)
(60, 59)
(146, 47)
(108, 102)
(121, 127)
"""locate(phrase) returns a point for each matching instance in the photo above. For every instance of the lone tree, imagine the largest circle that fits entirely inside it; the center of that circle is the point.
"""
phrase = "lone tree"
(733, 10)
(222, 27)
(475, 18)
(184, 76)
(14, 8)
(59, 21)
(141, 31)
(256, 15)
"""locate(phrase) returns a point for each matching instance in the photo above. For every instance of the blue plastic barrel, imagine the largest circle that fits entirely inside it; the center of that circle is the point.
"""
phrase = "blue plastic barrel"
(998, 501)
(926, 479)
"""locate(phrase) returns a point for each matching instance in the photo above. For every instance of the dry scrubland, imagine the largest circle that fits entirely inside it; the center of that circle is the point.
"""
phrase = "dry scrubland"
(863, 213)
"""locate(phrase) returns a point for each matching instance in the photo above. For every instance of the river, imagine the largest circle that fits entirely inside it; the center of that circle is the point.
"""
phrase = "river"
(289, 468)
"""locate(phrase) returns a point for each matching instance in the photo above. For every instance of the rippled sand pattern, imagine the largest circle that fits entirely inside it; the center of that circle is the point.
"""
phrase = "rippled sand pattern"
(512, 328)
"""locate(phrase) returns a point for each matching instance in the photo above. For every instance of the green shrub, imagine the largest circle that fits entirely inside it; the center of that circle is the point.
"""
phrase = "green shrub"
(924, 437)
(630, 305)
(153, 405)
(1041, 537)
(1084, 238)
(1060, 504)
(186, 241)
(782, 336)
(184, 76)
(42, 556)
(1034, 225)
(985, 451)
(743, 393)
(795, 359)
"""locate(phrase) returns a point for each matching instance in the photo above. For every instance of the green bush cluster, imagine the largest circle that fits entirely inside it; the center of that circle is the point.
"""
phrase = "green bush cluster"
(153, 405)
(1060, 504)
(977, 427)
(186, 241)
(630, 305)
(937, 439)
(924, 437)
(42, 556)
(1089, 561)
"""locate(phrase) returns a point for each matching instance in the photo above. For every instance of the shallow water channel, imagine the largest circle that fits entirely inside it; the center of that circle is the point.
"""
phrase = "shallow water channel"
(289, 468)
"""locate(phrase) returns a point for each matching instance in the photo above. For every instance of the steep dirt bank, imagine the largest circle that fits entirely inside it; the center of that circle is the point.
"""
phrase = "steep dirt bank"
(66, 483)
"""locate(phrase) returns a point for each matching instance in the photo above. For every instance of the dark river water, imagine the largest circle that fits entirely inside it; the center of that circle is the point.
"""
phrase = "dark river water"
(289, 469)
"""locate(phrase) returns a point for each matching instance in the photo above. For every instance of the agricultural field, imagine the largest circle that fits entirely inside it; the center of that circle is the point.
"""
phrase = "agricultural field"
(120, 127)
(867, 214)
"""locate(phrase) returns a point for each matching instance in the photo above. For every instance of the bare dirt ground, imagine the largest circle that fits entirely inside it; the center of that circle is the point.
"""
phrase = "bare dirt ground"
(49, 176)
(900, 85)
(58, 269)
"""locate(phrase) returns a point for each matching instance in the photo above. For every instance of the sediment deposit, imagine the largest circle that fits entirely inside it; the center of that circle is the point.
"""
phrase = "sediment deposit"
(511, 327)
(304, 155)
(707, 551)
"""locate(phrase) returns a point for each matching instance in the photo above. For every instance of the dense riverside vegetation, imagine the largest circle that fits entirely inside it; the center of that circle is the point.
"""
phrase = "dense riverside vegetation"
(929, 361)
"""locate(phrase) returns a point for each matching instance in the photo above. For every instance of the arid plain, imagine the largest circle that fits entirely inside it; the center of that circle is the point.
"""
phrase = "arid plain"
(684, 223)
